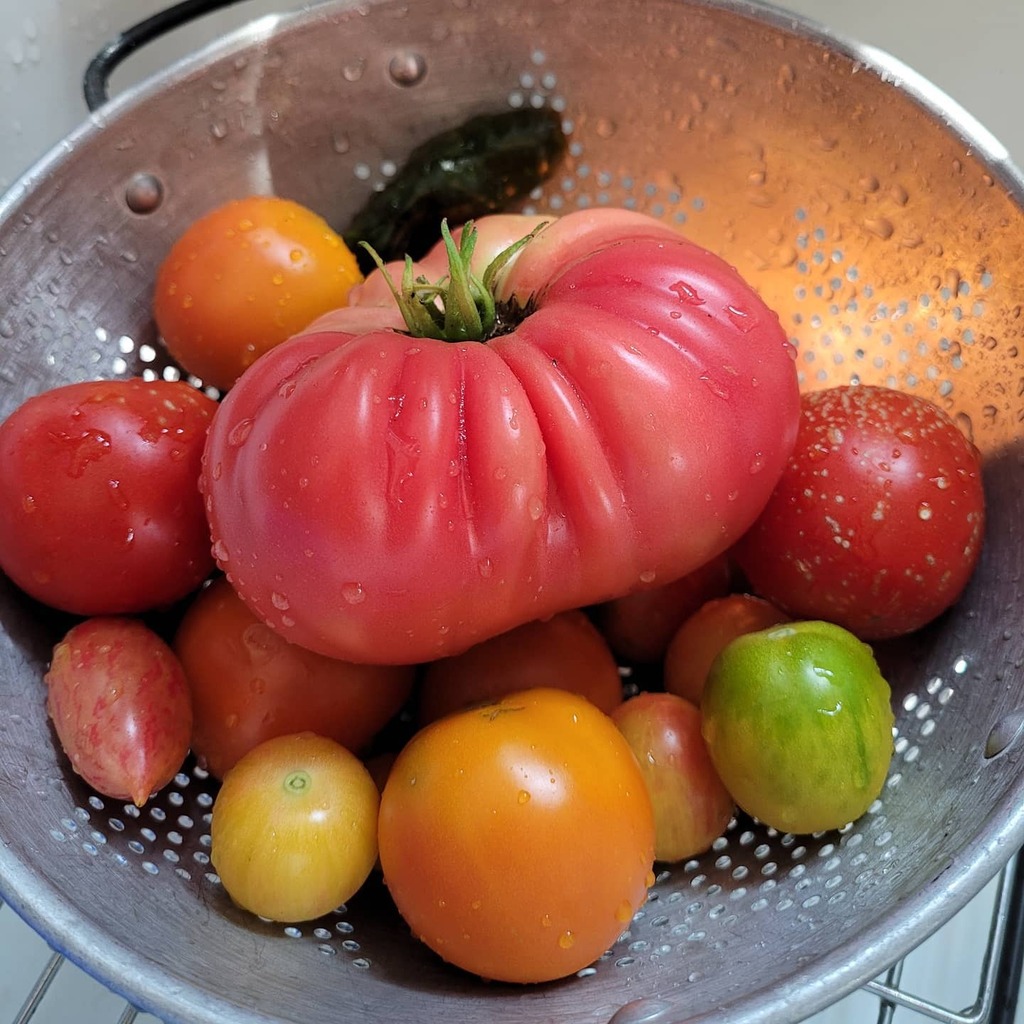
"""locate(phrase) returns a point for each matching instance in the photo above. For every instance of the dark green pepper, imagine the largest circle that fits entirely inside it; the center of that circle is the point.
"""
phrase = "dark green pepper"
(483, 166)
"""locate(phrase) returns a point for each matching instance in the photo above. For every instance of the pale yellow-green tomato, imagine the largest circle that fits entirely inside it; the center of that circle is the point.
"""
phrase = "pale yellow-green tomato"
(294, 828)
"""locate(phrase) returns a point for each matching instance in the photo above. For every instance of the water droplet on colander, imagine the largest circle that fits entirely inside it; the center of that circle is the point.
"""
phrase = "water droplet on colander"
(880, 226)
(354, 71)
(644, 1011)
(353, 593)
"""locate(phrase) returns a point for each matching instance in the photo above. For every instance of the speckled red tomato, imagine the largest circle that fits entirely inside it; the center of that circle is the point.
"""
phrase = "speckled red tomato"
(876, 523)
(120, 705)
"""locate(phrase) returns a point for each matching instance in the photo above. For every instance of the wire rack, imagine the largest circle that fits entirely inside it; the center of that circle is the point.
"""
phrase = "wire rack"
(997, 992)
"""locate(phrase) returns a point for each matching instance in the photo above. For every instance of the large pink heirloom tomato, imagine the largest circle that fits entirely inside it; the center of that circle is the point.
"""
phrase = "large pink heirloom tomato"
(382, 497)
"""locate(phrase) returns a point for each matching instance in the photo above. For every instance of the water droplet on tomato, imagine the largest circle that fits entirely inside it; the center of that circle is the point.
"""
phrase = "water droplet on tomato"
(486, 568)
(714, 386)
(687, 293)
(220, 551)
(566, 940)
(117, 496)
(624, 912)
(924, 511)
(240, 432)
(28, 504)
(756, 463)
(648, 576)
(522, 797)
(231, 721)
(286, 389)
(535, 506)
(743, 321)
(353, 593)
(279, 601)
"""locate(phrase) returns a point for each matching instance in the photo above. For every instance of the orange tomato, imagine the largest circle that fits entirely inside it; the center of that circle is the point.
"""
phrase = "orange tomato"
(245, 277)
(565, 652)
(294, 828)
(249, 684)
(705, 633)
(517, 838)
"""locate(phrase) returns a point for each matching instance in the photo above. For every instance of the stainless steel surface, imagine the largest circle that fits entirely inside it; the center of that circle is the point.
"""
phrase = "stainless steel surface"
(882, 222)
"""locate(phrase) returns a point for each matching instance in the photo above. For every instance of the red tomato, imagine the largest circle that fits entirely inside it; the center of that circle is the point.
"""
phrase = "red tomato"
(877, 521)
(517, 839)
(243, 278)
(628, 428)
(702, 636)
(100, 512)
(639, 626)
(294, 828)
(692, 807)
(565, 652)
(249, 684)
(120, 706)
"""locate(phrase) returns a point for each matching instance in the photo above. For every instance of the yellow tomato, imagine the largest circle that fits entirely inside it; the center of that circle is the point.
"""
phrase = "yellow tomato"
(294, 829)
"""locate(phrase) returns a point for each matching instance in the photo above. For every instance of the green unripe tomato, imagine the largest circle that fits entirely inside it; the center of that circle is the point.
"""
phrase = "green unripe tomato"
(798, 722)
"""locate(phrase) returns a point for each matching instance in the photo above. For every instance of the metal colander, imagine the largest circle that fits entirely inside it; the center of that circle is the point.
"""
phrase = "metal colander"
(885, 227)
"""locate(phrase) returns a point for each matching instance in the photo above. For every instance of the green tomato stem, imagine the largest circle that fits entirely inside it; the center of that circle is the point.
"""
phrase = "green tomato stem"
(297, 781)
(459, 307)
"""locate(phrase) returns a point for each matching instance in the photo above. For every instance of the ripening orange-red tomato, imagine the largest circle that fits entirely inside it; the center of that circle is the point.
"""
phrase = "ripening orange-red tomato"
(639, 625)
(249, 684)
(243, 278)
(517, 838)
(705, 633)
(566, 652)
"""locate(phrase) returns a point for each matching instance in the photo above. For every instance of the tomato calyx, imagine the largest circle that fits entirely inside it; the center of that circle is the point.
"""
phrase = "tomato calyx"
(460, 306)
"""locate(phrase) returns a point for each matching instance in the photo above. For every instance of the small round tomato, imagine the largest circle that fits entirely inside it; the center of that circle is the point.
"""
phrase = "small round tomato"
(799, 725)
(565, 652)
(702, 636)
(245, 277)
(294, 828)
(249, 684)
(876, 523)
(692, 807)
(100, 510)
(120, 707)
(517, 839)
(639, 626)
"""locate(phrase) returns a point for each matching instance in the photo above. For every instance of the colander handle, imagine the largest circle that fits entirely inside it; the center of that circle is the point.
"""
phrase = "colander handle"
(96, 81)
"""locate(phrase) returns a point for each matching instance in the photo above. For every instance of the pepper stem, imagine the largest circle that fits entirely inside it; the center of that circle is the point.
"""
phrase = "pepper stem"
(460, 306)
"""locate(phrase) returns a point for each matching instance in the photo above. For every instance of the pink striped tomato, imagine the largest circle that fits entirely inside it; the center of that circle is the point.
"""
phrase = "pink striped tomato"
(619, 415)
